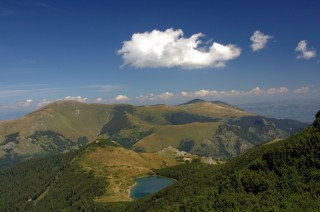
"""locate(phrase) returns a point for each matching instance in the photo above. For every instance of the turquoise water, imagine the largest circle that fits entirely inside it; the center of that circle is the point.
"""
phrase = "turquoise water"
(148, 185)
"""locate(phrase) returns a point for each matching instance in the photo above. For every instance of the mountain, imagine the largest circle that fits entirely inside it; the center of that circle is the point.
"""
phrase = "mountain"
(55, 128)
(214, 129)
(279, 175)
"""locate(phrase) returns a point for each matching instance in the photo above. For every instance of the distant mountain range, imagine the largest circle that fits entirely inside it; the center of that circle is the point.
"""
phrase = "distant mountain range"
(212, 129)
(302, 110)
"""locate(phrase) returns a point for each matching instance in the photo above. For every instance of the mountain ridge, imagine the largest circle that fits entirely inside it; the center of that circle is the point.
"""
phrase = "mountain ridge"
(65, 125)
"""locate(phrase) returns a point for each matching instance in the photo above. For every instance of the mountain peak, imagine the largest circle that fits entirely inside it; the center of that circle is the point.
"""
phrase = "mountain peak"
(193, 101)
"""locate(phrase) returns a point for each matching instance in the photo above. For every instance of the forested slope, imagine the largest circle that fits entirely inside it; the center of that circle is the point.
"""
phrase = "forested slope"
(280, 176)
(48, 184)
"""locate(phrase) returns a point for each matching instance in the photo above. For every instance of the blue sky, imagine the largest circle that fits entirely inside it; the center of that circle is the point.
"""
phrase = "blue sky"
(149, 52)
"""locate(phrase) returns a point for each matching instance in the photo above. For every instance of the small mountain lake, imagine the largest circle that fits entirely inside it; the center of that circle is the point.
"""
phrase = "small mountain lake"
(148, 185)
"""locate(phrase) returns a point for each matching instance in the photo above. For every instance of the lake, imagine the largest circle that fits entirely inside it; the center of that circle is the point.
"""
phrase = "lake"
(148, 185)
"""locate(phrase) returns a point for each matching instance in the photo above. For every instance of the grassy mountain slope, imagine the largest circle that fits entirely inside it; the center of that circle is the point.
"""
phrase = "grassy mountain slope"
(214, 109)
(173, 135)
(56, 128)
(119, 167)
(69, 118)
(221, 130)
(283, 175)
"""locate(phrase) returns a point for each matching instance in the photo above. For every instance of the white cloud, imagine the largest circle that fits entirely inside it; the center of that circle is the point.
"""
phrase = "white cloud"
(271, 91)
(153, 97)
(304, 52)
(44, 102)
(121, 98)
(210, 93)
(166, 95)
(259, 40)
(76, 98)
(27, 103)
(301, 90)
(145, 97)
(232, 93)
(99, 99)
(170, 49)
(213, 93)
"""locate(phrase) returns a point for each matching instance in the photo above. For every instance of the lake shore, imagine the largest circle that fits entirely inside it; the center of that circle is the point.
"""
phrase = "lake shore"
(129, 190)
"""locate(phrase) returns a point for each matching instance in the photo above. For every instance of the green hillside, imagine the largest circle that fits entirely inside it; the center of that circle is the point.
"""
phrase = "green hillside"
(221, 139)
(212, 129)
(55, 128)
(119, 166)
(176, 135)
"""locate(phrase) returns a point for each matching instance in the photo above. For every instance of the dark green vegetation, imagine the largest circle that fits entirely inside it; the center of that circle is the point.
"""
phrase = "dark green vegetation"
(48, 184)
(214, 129)
(279, 176)
(55, 143)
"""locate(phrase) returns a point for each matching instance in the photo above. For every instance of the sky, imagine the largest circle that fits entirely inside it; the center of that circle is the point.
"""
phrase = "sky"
(149, 52)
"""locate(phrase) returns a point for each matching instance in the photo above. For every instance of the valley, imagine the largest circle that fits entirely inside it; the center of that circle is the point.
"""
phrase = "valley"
(120, 166)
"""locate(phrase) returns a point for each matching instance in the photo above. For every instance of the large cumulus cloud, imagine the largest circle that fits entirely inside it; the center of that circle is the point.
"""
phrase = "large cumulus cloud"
(170, 48)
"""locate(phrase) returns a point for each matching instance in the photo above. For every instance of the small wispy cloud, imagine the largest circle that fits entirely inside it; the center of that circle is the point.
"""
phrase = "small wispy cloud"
(301, 90)
(170, 48)
(25, 91)
(121, 98)
(213, 93)
(44, 102)
(76, 98)
(99, 99)
(259, 40)
(27, 103)
(22, 105)
(304, 52)
(233, 93)
(163, 96)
